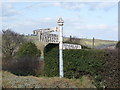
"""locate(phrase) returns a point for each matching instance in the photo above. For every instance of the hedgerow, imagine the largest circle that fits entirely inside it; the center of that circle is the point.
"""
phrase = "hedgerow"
(51, 61)
(76, 62)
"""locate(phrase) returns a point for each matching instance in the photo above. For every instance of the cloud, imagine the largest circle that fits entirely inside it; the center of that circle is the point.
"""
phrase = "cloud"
(69, 5)
(80, 5)
(90, 5)
(99, 30)
(98, 27)
(91, 26)
(60, 0)
(8, 10)
(76, 26)
(30, 24)
(76, 5)
(72, 26)
(102, 5)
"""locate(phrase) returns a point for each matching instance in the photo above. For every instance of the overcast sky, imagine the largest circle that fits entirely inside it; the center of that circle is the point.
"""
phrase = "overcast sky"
(81, 19)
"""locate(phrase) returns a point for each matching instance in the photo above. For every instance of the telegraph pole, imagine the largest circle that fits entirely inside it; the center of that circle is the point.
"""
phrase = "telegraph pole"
(60, 24)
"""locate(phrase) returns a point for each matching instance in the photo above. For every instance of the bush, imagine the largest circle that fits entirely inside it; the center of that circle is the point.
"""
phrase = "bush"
(76, 62)
(27, 61)
(27, 58)
(51, 60)
(80, 62)
(10, 43)
(24, 66)
(118, 45)
(111, 71)
(28, 50)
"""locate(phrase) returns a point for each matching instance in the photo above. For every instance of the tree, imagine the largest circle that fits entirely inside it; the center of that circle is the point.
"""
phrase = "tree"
(28, 50)
(10, 42)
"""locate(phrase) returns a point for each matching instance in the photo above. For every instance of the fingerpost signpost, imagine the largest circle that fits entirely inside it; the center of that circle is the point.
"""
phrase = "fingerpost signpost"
(45, 36)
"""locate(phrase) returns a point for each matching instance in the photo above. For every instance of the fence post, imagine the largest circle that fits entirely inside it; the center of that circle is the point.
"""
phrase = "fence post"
(93, 42)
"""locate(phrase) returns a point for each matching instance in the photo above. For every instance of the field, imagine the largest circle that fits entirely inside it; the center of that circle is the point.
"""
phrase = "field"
(10, 80)
(83, 41)
(99, 44)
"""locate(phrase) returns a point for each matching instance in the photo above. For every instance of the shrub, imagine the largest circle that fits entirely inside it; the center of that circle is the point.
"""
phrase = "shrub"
(27, 58)
(111, 71)
(10, 42)
(80, 62)
(28, 49)
(118, 45)
(24, 66)
(76, 62)
(51, 60)
(27, 61)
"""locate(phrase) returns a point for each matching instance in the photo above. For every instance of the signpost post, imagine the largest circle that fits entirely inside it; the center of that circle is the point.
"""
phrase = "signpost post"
(60, 23)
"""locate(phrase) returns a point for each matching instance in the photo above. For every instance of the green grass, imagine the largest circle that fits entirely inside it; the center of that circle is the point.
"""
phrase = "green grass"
(98, 43)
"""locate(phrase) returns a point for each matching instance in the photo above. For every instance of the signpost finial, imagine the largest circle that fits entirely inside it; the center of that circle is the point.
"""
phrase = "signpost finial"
(60, 21)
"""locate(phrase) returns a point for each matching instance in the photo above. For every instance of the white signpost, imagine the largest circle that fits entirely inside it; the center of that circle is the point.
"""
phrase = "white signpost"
(71, 46)
(49, 38)
(47, 30)
(60, 23)
(45, 36)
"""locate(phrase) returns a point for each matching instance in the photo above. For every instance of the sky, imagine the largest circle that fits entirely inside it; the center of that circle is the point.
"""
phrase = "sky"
(81, 19)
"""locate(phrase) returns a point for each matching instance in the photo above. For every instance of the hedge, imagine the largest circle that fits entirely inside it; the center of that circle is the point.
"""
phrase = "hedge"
(76, 62)
(118, 45)
(51, 60)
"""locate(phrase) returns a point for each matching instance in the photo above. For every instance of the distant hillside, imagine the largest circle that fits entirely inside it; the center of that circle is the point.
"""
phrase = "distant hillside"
(100, 44)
